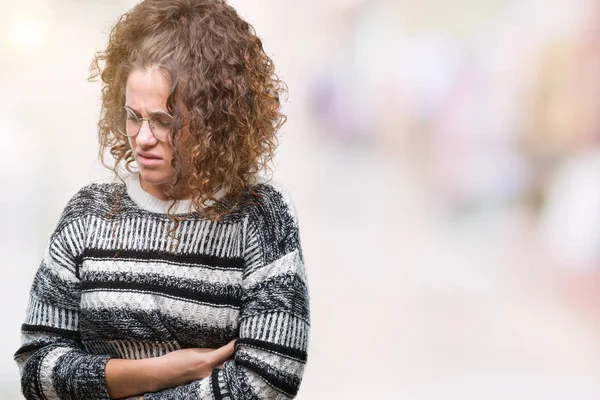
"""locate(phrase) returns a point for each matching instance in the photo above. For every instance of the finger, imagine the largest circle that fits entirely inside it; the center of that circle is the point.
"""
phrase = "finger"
(222, 353)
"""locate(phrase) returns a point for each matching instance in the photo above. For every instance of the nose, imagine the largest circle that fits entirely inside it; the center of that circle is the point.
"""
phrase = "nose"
(145, 138)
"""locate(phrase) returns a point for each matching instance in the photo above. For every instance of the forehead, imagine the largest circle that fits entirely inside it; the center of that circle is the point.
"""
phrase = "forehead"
(147, 90)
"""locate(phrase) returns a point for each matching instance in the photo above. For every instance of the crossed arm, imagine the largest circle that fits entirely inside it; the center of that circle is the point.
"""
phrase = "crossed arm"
(125, 378)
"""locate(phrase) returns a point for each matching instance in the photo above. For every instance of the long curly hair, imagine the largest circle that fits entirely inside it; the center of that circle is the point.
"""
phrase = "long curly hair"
(218, 70)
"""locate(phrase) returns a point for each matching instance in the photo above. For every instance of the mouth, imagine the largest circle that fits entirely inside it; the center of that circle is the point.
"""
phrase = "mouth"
(148, 159)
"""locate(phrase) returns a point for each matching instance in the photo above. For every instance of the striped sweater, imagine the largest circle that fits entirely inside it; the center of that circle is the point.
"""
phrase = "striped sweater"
(117, 285)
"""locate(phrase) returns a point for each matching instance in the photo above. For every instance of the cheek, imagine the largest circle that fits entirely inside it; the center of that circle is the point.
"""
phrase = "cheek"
(167, 150)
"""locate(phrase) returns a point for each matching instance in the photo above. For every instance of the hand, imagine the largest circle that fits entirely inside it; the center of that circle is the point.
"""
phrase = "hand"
(214, 358)
(198, 363)
(125, 378)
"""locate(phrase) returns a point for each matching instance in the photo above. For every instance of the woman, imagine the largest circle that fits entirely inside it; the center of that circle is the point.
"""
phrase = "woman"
(185, 279)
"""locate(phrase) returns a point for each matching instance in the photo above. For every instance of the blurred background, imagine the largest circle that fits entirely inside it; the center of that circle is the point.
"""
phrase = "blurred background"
(444, 158)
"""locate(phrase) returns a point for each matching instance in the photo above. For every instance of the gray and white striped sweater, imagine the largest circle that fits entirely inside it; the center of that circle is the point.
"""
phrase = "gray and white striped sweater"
(119, 286)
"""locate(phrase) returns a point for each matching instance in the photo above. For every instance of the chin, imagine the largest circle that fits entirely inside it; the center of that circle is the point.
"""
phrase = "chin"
(155, 177)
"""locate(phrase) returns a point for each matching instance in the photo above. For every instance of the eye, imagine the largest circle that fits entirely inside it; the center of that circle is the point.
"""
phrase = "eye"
(163, 121)
(131, 115)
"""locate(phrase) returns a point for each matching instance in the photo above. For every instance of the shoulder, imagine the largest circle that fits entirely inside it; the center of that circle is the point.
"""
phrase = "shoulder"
(272, 222)
(89, 199)
(274, 201)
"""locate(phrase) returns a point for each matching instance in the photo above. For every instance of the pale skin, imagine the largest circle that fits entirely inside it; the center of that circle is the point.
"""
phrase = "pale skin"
(146, 92)
(125, 378)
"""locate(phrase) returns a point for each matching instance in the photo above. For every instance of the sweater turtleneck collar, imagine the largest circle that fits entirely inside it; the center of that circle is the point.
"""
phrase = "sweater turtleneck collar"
(153, 204)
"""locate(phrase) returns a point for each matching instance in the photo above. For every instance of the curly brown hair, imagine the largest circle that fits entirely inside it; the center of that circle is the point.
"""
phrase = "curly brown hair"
(218, 70)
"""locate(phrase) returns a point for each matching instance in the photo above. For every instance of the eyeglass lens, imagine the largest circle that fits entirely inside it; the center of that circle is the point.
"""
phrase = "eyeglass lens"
(160, 124)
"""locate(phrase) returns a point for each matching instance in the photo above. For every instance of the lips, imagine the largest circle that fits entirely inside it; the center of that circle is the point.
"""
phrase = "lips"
(148, 159)
(149, 156)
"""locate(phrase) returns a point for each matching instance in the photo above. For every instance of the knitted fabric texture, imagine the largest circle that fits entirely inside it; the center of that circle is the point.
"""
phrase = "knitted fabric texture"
(118, 286)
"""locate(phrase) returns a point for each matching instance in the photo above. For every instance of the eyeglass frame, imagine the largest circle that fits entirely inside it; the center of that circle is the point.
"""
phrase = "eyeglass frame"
(141, 122)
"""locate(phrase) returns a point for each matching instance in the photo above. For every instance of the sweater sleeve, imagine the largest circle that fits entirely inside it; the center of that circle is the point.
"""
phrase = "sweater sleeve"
(271, 351)
(52, 362)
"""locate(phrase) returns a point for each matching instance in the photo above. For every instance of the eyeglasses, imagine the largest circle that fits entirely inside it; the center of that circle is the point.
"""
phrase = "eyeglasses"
(129, 124)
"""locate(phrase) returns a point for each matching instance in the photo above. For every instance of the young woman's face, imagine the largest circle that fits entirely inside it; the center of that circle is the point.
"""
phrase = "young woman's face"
(146, 94)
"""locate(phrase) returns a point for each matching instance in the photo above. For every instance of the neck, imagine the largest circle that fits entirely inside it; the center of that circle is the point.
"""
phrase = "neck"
(158, 191)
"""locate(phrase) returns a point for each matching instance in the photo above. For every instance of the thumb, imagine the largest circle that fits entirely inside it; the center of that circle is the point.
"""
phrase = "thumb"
(223, 353)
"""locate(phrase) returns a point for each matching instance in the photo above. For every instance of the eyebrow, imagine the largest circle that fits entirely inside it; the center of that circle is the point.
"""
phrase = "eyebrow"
(151, 114)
